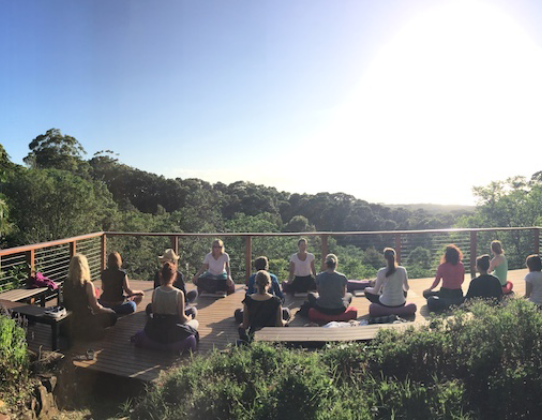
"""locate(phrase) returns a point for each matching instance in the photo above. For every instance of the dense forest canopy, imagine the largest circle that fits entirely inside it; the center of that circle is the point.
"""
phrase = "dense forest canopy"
(59, 194)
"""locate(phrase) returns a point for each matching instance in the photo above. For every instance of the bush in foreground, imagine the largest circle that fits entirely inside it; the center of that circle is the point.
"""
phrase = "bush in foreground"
(13, 357)
(485, 365)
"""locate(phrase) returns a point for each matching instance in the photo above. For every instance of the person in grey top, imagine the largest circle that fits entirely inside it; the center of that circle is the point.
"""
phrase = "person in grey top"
(332, 297)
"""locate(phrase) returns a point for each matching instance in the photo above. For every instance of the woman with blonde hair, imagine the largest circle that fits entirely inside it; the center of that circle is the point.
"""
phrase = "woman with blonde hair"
(89, 318)
(262, 309)
(215, 275)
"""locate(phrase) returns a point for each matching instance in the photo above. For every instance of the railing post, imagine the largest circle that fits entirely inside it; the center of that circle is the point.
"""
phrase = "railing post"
(536, 235)
(325, 250)
(398, 248)
(104, 252)
(248, 257)
(73, 248)
(174, 244)
(473, 246)
(30, 262)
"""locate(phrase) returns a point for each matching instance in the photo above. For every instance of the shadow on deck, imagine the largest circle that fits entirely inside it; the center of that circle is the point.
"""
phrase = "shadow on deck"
(116, 355)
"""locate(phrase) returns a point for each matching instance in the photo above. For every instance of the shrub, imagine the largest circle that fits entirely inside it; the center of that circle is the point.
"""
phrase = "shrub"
(486, 364)
(13, 356)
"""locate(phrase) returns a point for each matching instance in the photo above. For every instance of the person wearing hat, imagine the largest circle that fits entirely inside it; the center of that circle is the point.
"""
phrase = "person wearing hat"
(332, 297)
(170, 257)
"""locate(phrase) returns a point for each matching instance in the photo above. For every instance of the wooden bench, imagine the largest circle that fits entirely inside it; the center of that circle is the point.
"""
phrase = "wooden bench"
(37, 314)
(316, 337)
(40, 293)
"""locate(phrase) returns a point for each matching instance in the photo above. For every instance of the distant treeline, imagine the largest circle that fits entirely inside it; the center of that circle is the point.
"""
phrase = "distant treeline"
(59, 194)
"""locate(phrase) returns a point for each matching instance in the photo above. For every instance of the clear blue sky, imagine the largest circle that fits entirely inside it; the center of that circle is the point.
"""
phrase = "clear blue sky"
(253, 90)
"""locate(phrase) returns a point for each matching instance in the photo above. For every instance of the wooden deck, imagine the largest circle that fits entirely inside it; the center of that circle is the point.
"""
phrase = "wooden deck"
(116, 355)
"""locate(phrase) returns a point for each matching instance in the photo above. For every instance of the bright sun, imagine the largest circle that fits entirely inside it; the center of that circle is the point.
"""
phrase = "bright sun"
(457, 90)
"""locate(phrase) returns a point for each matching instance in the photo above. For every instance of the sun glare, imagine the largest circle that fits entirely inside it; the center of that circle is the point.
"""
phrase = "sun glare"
(456, 91)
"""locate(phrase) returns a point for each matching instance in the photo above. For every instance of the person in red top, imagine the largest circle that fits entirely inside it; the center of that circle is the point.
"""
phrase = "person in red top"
(452, 273)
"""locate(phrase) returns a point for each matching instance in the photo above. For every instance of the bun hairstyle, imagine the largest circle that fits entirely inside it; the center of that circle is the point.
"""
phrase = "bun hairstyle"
(482, 262)
(389, 255)
(167, 273)
(496, 247)
(452, 255)
(534, 262)
(263, 280)
(331, 261)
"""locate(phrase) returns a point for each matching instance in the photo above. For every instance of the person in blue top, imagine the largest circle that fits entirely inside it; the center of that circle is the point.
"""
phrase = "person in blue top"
(261, 263)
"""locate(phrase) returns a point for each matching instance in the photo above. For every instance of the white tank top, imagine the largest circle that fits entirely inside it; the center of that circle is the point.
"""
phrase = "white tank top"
(165, 301)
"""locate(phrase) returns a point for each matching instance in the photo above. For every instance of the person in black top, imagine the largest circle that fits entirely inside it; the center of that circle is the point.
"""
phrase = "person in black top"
(485, 286)
(170, 257)
(261, 309)
(117, 293)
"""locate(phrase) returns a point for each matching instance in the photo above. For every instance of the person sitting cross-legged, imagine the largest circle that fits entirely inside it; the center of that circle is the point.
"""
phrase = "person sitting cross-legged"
(533, 280)
(261, 263)
(117, 293)
(261, 309)
(485, 286)
(168, 319)
(391, 284)
(170, 257)
(452, 273)
(331, 285)
(215, 274)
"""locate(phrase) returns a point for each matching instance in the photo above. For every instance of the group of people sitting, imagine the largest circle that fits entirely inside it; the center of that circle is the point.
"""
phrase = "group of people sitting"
(172, 317)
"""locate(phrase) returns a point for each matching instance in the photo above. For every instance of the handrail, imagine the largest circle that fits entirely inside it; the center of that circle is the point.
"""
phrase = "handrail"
(26, 248)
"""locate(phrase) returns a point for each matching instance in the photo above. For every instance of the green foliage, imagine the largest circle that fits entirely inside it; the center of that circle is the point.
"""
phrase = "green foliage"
(484, 366)
(13, 357)
(48, 204)
(54, 150)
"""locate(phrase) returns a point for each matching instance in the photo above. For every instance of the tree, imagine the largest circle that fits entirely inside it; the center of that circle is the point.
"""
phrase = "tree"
(48, 204)
(54, 150)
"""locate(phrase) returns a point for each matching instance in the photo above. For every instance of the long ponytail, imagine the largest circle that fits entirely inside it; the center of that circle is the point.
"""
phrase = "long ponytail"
(389, 255)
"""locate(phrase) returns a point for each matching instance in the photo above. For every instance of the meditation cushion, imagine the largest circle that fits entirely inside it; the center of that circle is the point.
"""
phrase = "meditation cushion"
(320, 318)
(376, 310)
(141, 339)
(354, 285)
(506, 290)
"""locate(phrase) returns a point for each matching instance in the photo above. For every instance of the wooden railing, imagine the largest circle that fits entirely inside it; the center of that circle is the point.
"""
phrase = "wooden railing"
(52, 258)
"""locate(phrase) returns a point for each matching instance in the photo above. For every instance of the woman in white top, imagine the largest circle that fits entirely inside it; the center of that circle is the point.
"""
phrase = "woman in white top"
(215, 275)
(302, 270)
(391, 283)
(168, 309)
(533, 280)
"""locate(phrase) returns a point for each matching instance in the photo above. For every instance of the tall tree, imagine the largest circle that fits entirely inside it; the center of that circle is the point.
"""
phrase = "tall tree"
(54, 150)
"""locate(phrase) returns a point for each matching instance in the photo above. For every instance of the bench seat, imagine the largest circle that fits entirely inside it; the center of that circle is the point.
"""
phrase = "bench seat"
(315, 337)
